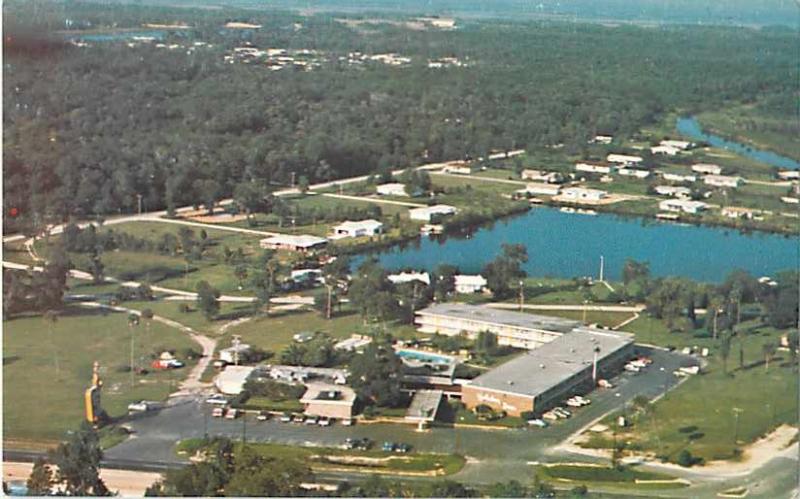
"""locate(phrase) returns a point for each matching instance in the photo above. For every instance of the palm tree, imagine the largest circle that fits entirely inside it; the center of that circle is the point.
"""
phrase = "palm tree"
(51, 317)
(725, 350)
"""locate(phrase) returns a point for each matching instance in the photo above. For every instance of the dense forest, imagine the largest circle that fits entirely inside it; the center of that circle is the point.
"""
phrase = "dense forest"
(87, 129)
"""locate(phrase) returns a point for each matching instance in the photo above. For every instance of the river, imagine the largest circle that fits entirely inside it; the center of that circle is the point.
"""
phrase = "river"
(568, 245)
(691, 128)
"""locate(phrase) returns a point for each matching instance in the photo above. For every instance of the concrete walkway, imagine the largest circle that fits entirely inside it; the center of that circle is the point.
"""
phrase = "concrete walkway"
(579, 308)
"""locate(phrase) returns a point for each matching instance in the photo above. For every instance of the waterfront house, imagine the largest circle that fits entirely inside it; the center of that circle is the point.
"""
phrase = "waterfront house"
(676, 177)
(593, 167)
(673, 191)
(682, 206)
(360, 228)
(739, 212)
(291, 242)
(404, 277)
(538, 189)
(789, 174)
(466, 284)
(582, 194)
(633, 172)
(428, 213)
(665, 150)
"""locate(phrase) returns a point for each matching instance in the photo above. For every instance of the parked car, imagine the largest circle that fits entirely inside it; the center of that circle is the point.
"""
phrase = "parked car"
(357, 443)
(286, 418)
(349, 443)
(388, 446)
(604, 383)
(298, 418)
(218, 412)
(564, 413)
(232, 413)
(631, 368)
(348, 422)
(311, 420)
(550, 415)
(574, 403)
(402, 448)
(324, 421)
(141, 406)
(262, 416)
(538, 422)
(217, 399)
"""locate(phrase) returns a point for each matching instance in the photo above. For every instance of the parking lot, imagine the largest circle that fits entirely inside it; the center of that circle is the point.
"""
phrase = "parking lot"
(156, 432)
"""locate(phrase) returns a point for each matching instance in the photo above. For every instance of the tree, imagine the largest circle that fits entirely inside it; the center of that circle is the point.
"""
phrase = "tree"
(633, 271)
(511, 488)
(505, 268)
(77, 463)
(372, 292)
(444, 283)
(240, 272)
(40, 481)
(375, 374)
(97, 266)
(256, 475)
(208, 299)
(725, 350)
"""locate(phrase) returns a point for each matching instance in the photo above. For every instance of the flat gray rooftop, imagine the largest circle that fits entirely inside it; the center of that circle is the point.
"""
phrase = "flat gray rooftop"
(539, 370)
(424, 405)
(499, 316)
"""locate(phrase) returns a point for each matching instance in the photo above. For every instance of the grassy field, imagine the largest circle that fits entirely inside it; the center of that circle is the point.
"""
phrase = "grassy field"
(738, 122)
(601, 475)
(42, 402)
(698, 416)
(370, 461)
(194, 318)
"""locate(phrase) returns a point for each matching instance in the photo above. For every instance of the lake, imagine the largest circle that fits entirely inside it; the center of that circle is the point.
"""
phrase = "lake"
(691, 128)
(116, 36)
(568, 245)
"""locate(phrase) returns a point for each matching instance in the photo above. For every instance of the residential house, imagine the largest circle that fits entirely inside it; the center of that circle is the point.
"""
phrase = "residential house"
(673, 191)
(582, 194)
(682, 206)
(592, 167)
(428, 213)
(360, 228)
(467, 284)
(707, 168)
(623, 159)
(291, 242)
(404, 277)
(723, 181)
(676, 177)
(633, 172)
(392, 189)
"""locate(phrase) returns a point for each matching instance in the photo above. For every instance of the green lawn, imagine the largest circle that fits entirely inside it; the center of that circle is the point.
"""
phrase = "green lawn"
(698, 416)
(604, 476)
(194, 318)
(41, 403)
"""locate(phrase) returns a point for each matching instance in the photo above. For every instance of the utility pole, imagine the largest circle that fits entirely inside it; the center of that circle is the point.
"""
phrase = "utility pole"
(293, 179)
(328, 307)
(736, 412)
(602, 267)
(236, 341)
(521, 295)
(585, 302)
(594, 366)
(139, 198)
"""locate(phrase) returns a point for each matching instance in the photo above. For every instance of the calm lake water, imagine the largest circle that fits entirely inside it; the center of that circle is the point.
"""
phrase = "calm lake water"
(568, 245)
(115, 36)
(691, 128)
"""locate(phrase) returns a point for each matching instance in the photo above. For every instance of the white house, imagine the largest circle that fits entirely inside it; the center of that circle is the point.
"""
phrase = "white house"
(682, 206)
(665, 150)
(738, 212)
(676, 177)
(673, 191)
(293, 242)
(360, 228)
(789, 174)
(541, 176)
(404, 277)
(677, 144)
(722, 180)
(590, 167)
(392, 189)
(633, 172)
(304, 275)
(623, 159)
(602, 139)
(582, 194)
(425, 214)
(466, 284)
(460, 168)
(541, 189)
(790, 200)
(707, 168)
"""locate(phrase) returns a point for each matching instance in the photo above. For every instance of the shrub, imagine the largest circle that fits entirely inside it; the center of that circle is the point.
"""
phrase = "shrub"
(147, 313)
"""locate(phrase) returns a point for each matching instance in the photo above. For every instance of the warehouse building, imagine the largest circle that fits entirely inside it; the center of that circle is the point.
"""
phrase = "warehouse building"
(542, 378)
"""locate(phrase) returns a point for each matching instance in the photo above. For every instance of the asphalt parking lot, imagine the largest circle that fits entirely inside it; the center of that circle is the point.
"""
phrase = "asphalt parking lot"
(156, 433)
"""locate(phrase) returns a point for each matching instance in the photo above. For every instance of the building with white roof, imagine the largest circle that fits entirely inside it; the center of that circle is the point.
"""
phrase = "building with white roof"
(404, 277)
(707, 168)
(582, 194)
(360, 228)
(602, 139)
(592, 167)
(392, 189)
(665, 150)
(623, 159)
(326, 400)
(677, 177)
(466, 284)
(428, 213)
(682, 206)
(677, 144)
(739, 212)
(232, 379)
(789, 174)
(633, 172)
(293, 242)
(723, 181)
(541, 176)
(674, 191)
(234, 354)
(539, 189)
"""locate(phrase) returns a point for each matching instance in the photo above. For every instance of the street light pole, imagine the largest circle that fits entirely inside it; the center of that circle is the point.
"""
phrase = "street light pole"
(736, 412)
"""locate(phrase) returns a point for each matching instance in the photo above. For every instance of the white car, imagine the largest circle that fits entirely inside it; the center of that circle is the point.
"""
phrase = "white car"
(631, 368)
(550, 415)
(574, 403)
(141, 406)
(217, 399)
(347, 422)
(604, 383)
(310, 420)
(324, 421)
(537, 422)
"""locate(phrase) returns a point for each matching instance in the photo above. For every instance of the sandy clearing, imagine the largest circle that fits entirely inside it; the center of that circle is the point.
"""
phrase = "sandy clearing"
(128, 483)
